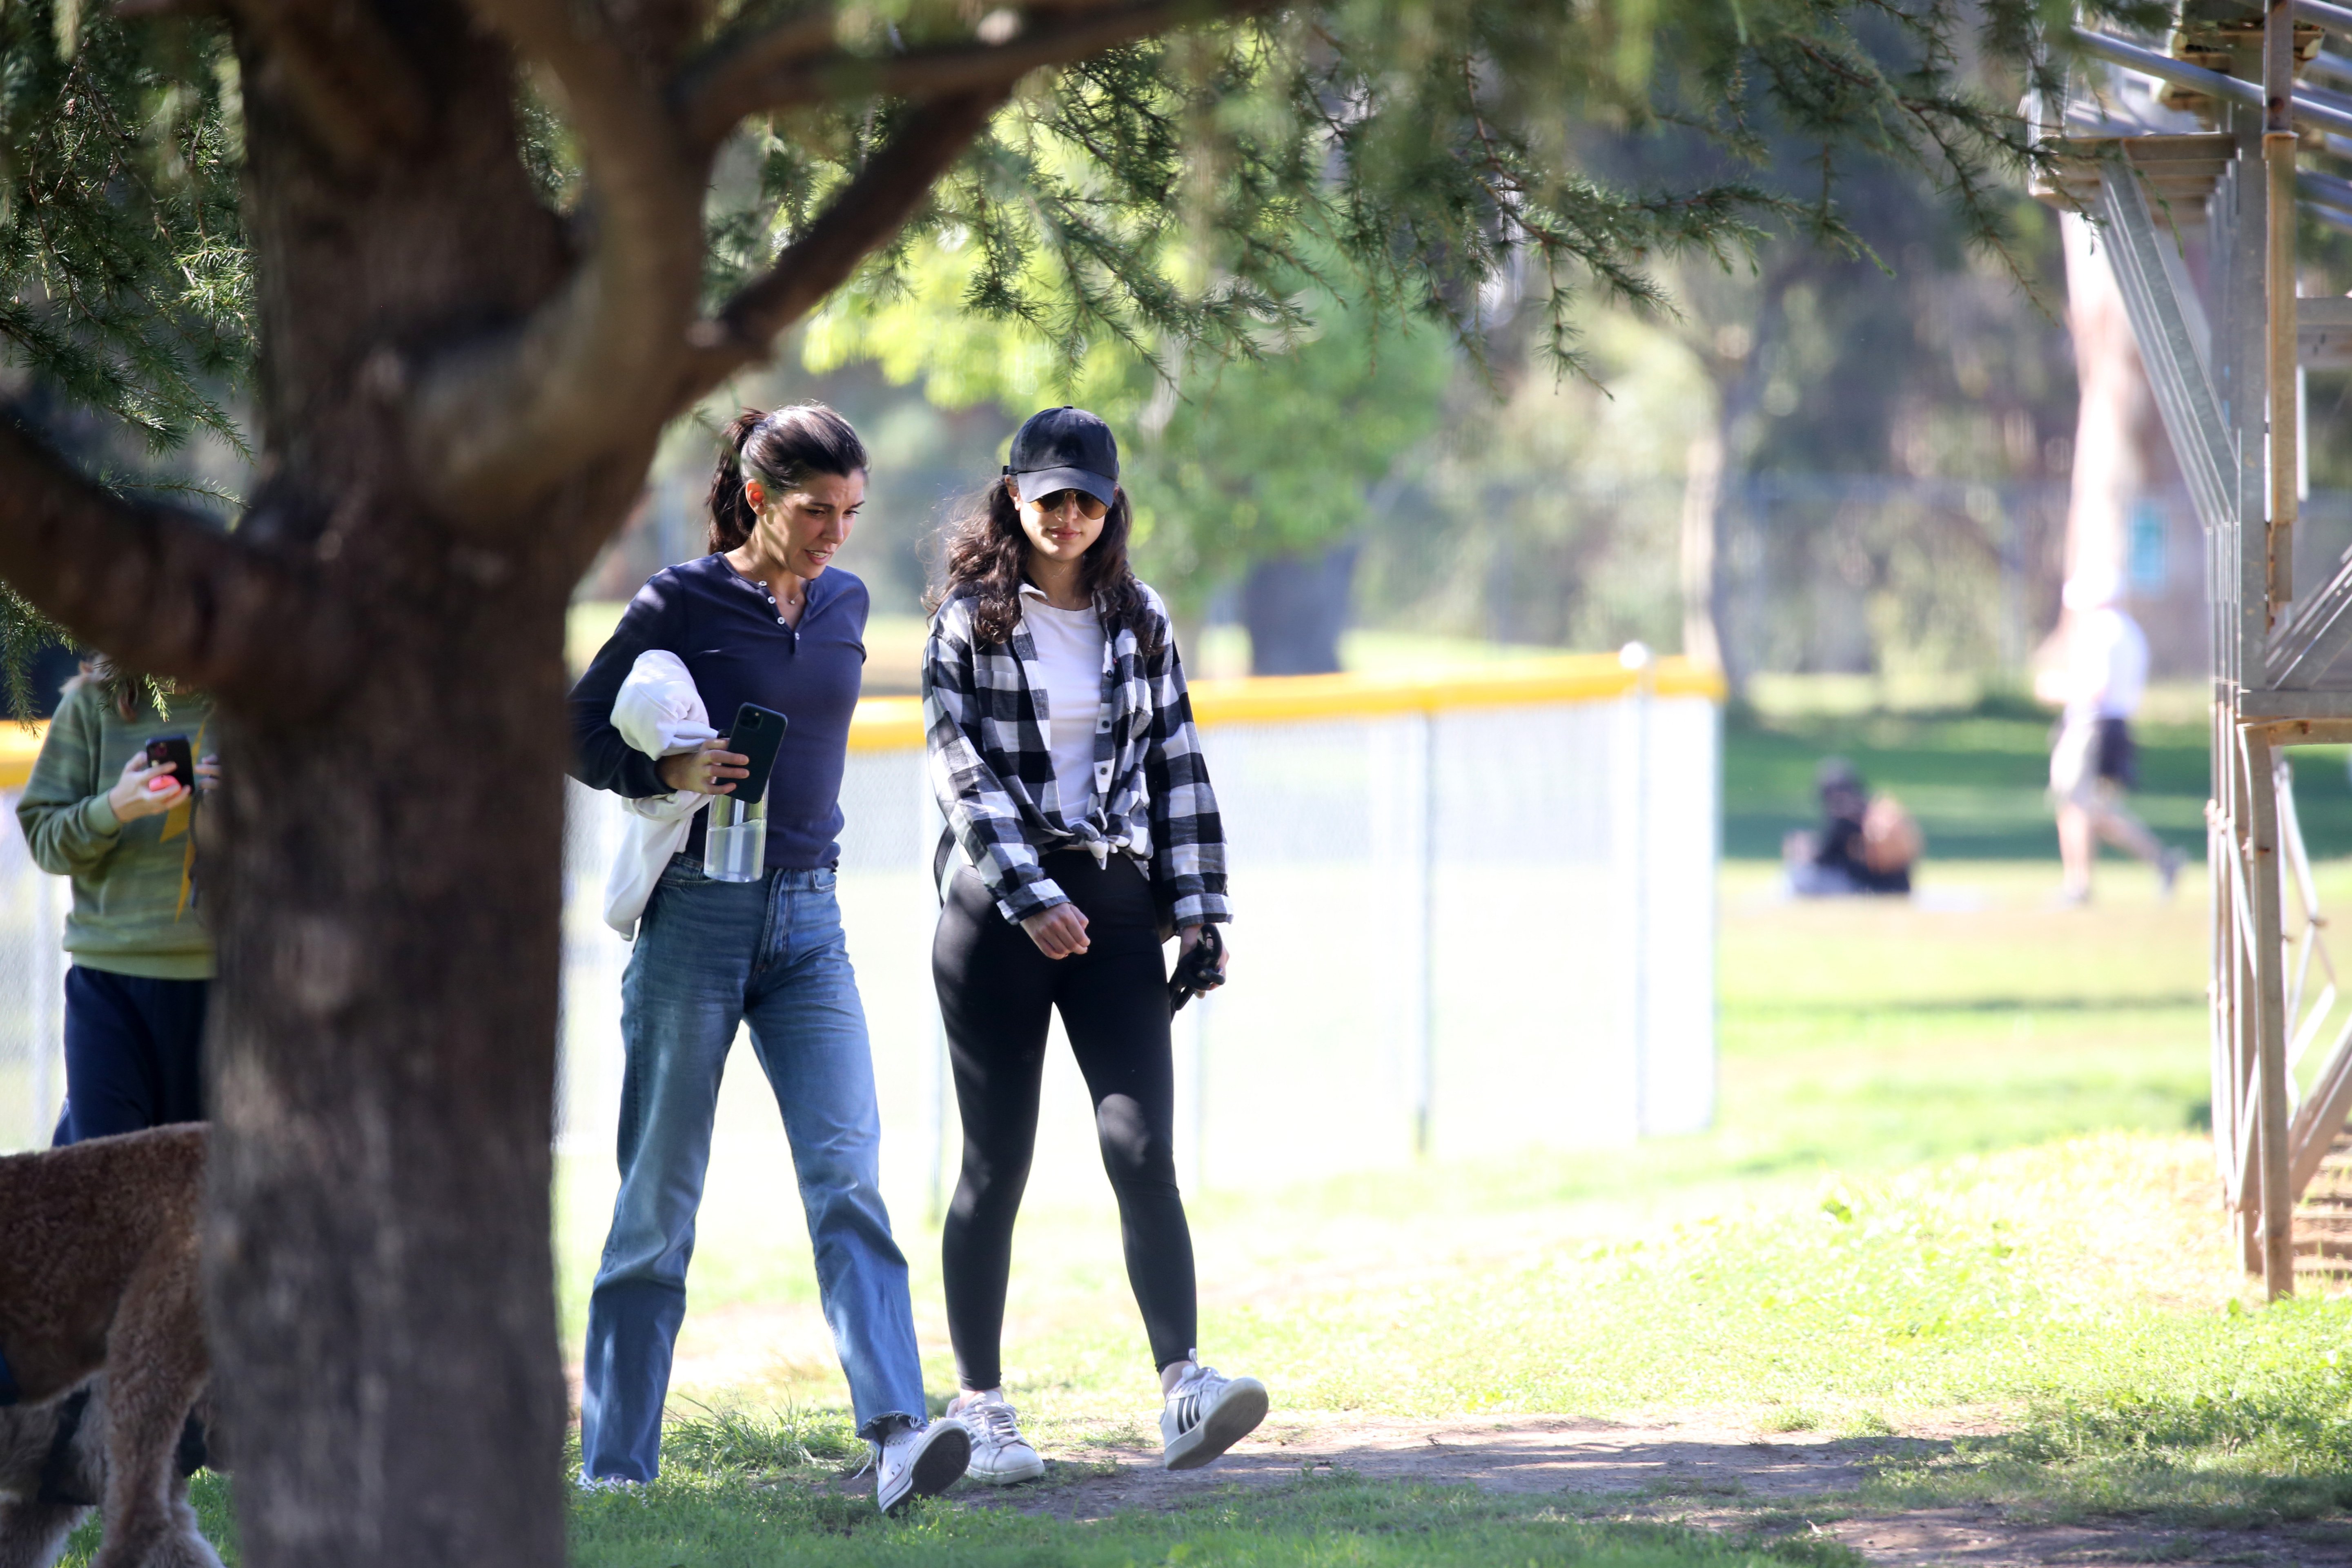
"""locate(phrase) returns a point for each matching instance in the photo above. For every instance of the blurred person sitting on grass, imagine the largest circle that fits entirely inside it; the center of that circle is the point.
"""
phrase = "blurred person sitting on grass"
(2092, 761)
(1082, 833)
(1864, 845)
(123, 830)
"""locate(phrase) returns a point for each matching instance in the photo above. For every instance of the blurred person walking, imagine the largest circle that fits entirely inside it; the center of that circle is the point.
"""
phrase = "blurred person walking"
(2092, 759)
(99, 810)
(761, 620)
(1082, 832)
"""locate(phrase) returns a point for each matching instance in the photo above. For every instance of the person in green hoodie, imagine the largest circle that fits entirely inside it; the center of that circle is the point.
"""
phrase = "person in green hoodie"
(95, 810)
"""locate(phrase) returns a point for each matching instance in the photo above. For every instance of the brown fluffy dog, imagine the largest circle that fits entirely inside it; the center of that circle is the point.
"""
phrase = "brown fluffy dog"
(99, 1274)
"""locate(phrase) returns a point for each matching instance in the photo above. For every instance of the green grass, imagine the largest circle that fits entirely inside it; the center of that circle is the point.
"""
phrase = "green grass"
(1320, 1522)
(1957, 1183)
(1976, 779)
(729, 1509)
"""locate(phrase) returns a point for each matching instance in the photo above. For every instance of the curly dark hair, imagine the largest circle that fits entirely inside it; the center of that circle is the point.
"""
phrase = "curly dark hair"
(986, 549)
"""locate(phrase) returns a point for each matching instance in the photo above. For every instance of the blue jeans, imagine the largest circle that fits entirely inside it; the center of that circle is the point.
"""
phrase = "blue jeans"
(709, 955)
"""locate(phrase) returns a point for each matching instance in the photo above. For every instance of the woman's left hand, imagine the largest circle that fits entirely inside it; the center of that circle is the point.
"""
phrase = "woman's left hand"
(208, 774)
(1190, 938)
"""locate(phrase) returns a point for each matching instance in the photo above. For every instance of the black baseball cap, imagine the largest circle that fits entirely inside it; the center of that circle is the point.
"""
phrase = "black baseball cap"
(1064, 448)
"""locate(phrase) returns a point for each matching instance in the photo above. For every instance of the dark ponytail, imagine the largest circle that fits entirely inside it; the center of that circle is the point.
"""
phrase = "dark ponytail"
(781, 451)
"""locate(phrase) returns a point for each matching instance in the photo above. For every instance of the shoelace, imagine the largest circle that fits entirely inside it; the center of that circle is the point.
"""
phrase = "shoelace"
(997, 1418)
(1191, 1393)
(873, 1451)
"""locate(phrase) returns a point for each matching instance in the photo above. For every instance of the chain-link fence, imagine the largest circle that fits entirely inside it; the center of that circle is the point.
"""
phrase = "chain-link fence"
(1467, 929)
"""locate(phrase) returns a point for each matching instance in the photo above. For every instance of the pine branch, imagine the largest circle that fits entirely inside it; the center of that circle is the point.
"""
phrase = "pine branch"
(867, 213)
(785, 70)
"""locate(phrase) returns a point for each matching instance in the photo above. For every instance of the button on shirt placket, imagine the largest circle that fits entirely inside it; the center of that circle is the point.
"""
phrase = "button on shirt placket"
(779, 610)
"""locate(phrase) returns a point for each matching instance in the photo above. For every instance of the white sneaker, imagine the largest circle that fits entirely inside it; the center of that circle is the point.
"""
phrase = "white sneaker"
(999, 1454)
(1207, 1413)
(919, 1461)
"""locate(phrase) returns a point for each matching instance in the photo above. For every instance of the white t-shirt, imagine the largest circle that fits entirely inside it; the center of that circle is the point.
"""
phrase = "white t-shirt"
(2106, 665)
(1069, 646)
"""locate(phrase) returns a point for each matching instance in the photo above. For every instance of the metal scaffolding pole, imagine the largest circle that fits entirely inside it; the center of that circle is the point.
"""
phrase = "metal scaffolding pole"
(2231, 407)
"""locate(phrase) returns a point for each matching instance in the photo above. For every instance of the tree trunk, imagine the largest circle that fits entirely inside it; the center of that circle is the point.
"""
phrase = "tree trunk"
(1736, 360)
(1702, 510)
(383, 1296)
(1296, 607)
(383, 886)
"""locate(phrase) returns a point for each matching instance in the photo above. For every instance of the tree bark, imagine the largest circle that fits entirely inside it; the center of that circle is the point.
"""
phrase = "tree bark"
(383, 1306)
(381, 877)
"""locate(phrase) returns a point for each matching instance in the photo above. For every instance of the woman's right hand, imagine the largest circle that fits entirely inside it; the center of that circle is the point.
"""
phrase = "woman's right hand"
(1059, 933)
(131, 797)
(711, 770)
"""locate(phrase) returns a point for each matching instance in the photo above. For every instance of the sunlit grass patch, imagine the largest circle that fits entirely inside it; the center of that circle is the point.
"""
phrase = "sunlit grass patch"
(1320, 1522)
(734, 1440)
(2245, 1420)
(1996, 1279)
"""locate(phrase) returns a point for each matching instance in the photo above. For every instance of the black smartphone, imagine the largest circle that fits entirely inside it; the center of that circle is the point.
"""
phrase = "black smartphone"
(757, 734)
(175, 750)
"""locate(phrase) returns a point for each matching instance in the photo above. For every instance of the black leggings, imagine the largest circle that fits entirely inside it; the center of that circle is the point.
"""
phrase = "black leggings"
(997, 993)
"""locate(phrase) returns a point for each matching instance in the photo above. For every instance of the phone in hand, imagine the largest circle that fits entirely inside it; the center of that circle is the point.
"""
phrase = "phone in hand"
(758, 732)
(175, 750)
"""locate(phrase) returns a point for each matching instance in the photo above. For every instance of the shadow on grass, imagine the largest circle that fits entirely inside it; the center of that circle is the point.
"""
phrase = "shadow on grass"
(1813, 1009)
(2206, 1492)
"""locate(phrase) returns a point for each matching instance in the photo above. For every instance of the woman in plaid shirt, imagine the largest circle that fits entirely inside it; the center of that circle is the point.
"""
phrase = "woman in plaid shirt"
(1063, 752)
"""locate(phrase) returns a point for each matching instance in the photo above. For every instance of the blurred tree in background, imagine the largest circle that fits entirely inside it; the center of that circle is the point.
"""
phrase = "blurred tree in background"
(1863, 454)
(1795, 456)
(1259, 467)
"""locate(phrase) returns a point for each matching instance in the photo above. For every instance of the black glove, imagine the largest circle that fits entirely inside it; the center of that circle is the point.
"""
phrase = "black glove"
(1198, 970)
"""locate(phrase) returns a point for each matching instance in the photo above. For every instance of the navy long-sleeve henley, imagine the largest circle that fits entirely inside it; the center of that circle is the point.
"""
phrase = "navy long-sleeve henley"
(734, 642)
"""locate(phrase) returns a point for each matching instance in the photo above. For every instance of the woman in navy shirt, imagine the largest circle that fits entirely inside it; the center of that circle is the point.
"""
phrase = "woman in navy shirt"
(761, 620)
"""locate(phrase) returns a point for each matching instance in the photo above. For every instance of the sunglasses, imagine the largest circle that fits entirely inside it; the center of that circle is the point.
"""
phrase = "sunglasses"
(1090, 508)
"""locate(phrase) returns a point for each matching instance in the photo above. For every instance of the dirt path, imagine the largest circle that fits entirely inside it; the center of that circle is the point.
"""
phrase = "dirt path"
(1705, 1470)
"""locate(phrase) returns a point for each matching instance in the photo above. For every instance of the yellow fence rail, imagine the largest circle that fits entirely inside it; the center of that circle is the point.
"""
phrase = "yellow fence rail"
(19, 744)
(896, 723)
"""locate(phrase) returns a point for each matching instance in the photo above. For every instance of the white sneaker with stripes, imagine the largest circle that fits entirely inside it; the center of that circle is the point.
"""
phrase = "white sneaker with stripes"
(1206, 1413)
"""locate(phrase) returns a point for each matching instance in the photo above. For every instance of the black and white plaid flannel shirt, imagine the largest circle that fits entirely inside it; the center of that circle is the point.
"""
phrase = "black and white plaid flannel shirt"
(985, 714)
